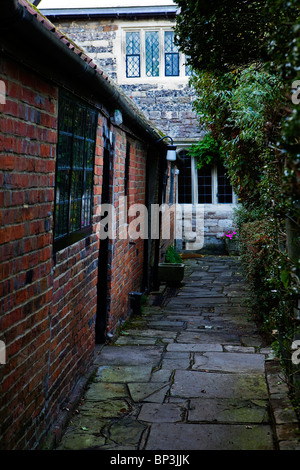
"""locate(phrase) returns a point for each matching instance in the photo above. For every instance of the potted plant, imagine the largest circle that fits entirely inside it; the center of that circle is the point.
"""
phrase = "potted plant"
(231, 242)
(172, 270)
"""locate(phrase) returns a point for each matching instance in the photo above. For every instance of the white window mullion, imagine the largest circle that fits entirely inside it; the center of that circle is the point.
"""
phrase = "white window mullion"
(214, 185)
(194, 181)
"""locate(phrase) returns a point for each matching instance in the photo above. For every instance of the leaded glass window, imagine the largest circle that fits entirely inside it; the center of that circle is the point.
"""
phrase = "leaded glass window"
(77, 125)
(133, 57)
(171, 55)
(152, 53)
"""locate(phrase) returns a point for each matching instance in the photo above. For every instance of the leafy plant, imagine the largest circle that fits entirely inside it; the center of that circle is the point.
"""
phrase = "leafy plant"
(231, 234)
(245, 56)
(172, 256)
(207, 151)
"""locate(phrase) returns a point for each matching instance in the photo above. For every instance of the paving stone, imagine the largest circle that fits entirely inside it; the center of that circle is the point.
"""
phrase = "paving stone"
(153, 392)
(176, 363)
(124, 434)
(127, 355)
(103, 391)
(160, 413)
(207, 337)
(241, 349)
(192, 347)
(166, 323)
(124, 374)
(229, 362)
(183, 436)
(80, 441)
(217, 385)
(228, 410)
(109, 409)
(150, 332)
(135, 341)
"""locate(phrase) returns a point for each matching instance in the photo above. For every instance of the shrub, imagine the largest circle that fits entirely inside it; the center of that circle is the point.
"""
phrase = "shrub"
(172, 256)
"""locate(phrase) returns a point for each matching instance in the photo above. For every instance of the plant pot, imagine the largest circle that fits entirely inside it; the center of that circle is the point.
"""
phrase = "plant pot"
(232, 246)
(171, 273)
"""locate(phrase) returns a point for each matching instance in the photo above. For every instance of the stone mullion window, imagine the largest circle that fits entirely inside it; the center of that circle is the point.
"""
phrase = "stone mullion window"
(152, 53)
(133, 54)
(171, 55)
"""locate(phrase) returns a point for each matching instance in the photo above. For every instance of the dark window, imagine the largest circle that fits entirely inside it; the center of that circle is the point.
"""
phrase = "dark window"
(133, 57)
(77, 125)
(205, 185)
(224, 187)
(184, 179)
(171, 55)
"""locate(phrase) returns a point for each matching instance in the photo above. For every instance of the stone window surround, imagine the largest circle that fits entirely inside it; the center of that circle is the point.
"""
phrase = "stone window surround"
(142, 27)
(214, 202)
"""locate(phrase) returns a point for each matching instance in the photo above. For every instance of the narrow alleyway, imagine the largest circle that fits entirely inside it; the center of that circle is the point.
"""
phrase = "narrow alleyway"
(189, 373)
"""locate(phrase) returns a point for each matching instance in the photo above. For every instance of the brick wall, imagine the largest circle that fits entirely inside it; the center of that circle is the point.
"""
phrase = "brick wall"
(49, 300)
(126, 274)
(27, 145)
(48, 303)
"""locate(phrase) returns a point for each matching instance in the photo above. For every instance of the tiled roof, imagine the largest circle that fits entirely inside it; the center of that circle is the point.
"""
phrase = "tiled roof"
(114, 94)
(62, 37)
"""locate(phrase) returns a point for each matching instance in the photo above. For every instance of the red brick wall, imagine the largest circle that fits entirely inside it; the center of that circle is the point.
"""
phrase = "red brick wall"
(127, 255)
(27, 144)
(48, 303)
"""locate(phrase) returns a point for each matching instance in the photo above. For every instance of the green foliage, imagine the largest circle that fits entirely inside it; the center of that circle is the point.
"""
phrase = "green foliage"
(241, 109)
(245, 57)
(222, 34)
(207, 151)
(172, 256)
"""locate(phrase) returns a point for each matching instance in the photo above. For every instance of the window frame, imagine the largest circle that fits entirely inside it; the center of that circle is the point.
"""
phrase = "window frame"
(71, 235)
(195, 188)
(183, 70)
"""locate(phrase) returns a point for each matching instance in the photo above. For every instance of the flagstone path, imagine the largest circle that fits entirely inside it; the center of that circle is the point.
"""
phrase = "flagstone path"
(188, 374)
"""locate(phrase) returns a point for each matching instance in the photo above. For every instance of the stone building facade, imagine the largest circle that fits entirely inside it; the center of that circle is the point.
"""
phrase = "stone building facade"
(134, 42)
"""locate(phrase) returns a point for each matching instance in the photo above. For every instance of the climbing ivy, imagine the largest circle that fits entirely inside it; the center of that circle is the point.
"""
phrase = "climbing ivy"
(207, 151)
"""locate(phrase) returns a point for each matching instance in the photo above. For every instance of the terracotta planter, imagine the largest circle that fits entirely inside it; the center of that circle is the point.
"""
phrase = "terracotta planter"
(171, 273)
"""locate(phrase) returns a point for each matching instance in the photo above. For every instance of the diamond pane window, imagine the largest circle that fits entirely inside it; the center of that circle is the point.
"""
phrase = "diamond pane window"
(152, 53)
(171, 55)
(74, 171)
(133, 57)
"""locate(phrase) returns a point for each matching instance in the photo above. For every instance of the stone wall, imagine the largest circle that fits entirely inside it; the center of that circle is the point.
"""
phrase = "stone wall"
(166, 102)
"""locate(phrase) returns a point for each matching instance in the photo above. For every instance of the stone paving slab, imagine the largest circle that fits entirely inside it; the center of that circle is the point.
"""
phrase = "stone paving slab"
(182, 436)
(192, 347)
(191, 384)
(229, 362)
(192, 374)
(228, 410)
